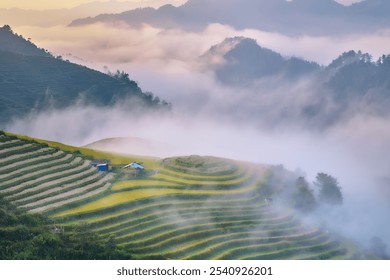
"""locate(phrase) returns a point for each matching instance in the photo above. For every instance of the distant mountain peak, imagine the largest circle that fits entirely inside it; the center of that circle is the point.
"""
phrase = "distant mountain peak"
(241, 60)
(227, 45)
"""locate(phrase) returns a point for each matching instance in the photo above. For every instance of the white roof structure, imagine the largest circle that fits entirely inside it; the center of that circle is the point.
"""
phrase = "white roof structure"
(135, 165)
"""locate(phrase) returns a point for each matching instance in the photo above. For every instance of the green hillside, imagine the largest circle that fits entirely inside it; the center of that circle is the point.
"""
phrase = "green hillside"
(32, 80)
(177, 208)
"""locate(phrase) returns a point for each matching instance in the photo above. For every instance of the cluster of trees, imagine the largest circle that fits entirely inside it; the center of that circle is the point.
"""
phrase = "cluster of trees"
(359, 56)
(297, 191)
(33, 237)
(124, 77)
(329, 192)
(329, 189)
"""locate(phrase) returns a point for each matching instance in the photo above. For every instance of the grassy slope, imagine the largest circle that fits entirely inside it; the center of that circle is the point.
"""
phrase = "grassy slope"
(149, 162)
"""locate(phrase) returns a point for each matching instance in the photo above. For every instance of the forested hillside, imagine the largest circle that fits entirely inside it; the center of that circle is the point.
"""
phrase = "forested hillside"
(33, 80)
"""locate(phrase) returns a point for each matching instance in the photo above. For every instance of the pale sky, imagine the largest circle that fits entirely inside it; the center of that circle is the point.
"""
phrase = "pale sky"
(57, 4)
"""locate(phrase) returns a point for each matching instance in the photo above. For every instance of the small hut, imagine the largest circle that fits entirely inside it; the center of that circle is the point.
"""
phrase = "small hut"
(135, 165)
(135, 168)
(102, 167)
(101, 164)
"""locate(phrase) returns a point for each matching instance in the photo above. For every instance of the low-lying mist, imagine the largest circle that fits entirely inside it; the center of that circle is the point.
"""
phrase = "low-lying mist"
(112, 43)
(354, 152)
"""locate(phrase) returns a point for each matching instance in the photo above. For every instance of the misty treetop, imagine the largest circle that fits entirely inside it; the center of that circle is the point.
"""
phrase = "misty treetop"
(283, 185)
(294, 190)
(329, 189)
(303, 197)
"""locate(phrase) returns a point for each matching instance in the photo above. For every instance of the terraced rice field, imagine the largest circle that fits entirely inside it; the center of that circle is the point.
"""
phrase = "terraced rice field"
(38, 178)
(187, 208)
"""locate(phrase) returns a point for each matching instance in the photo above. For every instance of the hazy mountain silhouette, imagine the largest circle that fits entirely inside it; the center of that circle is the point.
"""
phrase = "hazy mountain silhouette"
(241, 61)
(54, 17)
(31, 79)
(290, 17)
(351, 83)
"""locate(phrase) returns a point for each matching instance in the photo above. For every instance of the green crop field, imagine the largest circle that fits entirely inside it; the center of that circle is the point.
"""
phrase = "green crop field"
(178, 208)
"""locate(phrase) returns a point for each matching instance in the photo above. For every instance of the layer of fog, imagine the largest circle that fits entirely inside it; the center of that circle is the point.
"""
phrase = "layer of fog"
(108, 44)
(354, 152)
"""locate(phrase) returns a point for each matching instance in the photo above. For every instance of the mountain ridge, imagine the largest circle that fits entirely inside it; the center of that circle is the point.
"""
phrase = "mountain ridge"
(240, 60)
(331, 94)
(288, 17)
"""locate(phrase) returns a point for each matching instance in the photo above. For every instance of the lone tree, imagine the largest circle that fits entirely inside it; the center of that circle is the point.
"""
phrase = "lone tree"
(330, 191)
(303, 197)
